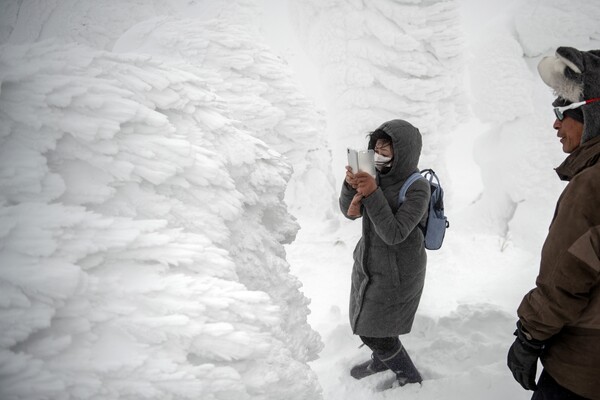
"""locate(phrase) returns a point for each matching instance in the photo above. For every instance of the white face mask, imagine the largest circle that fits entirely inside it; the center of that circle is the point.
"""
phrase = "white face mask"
(382, 161)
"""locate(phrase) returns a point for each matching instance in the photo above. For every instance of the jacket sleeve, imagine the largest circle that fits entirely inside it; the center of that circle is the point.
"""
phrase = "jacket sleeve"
(395, 228)
(346, 196)
(569, 270)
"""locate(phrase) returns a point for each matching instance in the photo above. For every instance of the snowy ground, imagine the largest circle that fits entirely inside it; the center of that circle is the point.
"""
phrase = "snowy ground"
(463, 327)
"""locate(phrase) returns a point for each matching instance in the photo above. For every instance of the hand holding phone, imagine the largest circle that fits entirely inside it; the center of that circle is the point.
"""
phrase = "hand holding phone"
(365, 184)
(350, 179)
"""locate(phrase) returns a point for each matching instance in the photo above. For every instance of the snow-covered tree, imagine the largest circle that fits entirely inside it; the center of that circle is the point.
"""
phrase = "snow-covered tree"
(159, 185)
(259, 89)
(141, 236)
(99, 23)
(509, 97)
(223, 36)
(387, 59)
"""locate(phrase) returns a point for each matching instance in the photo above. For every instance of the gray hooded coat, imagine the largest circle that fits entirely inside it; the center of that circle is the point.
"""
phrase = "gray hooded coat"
(389, 259)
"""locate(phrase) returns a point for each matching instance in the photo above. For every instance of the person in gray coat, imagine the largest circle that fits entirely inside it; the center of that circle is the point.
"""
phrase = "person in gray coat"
(389, 259)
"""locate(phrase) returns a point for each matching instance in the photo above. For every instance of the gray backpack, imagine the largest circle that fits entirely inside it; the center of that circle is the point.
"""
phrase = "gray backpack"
(437, 223)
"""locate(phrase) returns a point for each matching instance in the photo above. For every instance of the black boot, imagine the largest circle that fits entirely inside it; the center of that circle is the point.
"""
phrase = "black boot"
(402, 365)
(373, 366)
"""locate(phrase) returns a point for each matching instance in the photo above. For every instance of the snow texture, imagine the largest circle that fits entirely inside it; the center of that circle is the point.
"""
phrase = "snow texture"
(384, 60)
(259, 89)
(142, 236)
(158, 159)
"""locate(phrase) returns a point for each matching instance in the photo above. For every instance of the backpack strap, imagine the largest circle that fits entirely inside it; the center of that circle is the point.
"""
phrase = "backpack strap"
(409, 181)
(430, 175)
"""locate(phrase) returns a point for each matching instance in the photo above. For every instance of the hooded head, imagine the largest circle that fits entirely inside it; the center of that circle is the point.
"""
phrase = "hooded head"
(407, 145)
(575, 76)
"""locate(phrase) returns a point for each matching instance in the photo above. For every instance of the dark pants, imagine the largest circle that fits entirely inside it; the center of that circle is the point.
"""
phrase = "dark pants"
(379, 346)
(549, 389)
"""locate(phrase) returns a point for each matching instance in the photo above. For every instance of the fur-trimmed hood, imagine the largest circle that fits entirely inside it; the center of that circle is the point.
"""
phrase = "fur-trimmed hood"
(575, 76)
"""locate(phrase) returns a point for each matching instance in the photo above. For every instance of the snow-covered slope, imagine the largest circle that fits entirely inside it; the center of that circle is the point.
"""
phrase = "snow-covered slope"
(142, 236)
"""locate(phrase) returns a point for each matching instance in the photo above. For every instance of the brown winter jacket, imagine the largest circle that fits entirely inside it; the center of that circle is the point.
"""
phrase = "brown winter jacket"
(564, 308)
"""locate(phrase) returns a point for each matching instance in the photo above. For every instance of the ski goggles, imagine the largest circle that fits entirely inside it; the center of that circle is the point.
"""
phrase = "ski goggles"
(559, 111)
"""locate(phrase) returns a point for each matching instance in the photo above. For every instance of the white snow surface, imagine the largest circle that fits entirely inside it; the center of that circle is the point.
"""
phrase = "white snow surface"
(168, 187)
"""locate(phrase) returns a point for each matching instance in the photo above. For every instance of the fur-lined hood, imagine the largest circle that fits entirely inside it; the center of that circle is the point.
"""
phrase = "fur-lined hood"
(575, 76)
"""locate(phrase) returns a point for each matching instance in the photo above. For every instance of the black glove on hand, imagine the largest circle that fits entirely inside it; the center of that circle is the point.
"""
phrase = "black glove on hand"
(523, 356)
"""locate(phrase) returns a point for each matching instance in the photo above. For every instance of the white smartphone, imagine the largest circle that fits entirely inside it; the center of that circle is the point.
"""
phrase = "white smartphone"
(363, 160)
(366, 161)
(353, 160)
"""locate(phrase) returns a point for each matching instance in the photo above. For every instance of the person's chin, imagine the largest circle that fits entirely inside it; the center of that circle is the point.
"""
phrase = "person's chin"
(567, 149)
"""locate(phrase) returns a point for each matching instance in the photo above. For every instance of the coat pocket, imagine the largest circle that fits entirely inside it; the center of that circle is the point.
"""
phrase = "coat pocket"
(407, 262)
(393, 267)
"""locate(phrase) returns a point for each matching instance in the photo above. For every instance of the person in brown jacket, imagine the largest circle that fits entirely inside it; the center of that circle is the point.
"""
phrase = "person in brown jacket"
(559, 320)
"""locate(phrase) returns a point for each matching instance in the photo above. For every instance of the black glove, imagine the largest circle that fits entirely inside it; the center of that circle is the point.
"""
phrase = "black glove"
(523, 356)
